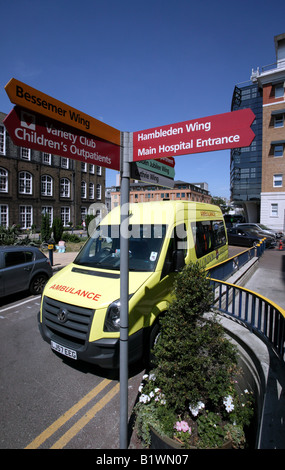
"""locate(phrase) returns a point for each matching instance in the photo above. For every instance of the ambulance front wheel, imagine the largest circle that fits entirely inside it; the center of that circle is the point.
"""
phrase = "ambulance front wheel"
(153, 338)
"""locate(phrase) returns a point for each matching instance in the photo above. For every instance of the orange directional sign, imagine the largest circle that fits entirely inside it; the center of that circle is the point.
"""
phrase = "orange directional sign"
(27, 97)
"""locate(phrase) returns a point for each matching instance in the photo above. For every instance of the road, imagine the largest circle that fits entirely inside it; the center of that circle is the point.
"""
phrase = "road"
(48, 401)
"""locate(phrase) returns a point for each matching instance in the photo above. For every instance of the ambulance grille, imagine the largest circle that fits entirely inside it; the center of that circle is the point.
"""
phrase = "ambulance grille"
(67, 322)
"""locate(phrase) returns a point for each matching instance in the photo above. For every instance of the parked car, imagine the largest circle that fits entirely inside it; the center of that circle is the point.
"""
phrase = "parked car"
(237, 236)
(270, 241)
(259, 227)
(23, 268)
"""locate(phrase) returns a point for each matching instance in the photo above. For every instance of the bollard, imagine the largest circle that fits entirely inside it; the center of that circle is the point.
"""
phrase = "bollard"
(50, 252)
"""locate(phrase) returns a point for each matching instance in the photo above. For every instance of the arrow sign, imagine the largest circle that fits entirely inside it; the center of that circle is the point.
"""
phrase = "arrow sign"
(218, 132)
(27, 97)
(34, 131)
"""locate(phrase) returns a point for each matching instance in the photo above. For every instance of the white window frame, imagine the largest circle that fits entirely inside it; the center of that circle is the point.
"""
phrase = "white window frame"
(274, 209)
(65, 215)
(99, 171)
(98, 191)
(26, 216)
(64, 187)
(84, 167)
(278, 180)
(64, 162)
(3, 180)
(25, 154)
(4, 215)
(46, 158)
(83, 190)
(46, 185)
(25, 182)
(91, 169)
(2, 140)
(91, 191)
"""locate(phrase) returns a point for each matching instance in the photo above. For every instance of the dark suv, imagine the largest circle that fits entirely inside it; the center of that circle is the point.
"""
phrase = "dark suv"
(23, 268)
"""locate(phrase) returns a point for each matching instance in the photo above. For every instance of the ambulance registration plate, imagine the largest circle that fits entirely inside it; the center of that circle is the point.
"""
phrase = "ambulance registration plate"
(63, 350)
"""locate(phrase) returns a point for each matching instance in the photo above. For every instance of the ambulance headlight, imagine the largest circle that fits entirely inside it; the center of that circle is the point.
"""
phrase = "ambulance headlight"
(112, 320)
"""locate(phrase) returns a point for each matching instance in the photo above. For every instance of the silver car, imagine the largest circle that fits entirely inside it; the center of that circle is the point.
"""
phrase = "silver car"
(23, 268)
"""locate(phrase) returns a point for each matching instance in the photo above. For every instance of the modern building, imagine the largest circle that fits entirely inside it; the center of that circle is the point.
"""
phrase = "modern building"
(33, 183)
(144, 192)
(246, 162)
(258, 171)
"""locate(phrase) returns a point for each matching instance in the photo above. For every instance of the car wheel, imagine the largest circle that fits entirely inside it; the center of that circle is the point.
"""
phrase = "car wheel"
(38, 283)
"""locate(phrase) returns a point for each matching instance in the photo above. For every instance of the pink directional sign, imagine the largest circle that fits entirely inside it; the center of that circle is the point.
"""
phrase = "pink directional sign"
(31, 130)
(218, 132)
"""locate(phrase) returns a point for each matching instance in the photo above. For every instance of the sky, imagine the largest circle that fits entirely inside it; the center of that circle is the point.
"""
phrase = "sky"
(140, 64)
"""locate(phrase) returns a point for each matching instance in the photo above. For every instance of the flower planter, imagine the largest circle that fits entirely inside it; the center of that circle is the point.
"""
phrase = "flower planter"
(165, 442)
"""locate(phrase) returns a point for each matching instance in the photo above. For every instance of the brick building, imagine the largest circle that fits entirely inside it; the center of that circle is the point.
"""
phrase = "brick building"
(33, 182)
(258, 171)
(144, 192)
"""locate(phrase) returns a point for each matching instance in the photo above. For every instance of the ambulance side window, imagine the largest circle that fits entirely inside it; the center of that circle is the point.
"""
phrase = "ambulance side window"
(208, 236)
(178, 242)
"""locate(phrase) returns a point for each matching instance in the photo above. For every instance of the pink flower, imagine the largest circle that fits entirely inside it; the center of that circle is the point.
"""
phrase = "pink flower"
(182, 426)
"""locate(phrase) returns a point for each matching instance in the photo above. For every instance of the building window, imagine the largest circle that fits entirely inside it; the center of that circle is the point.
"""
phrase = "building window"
(279, 90)
(277, 180)
(3, 180)
(46, 185)
(278, 150)
(64, 187)
(25, 154)
(26, 216)
(25, 182)
(279, 120)
(274, 210)
(83, 213)
(47, 158)
(84, 167)
(98, 191)
(83, 190)
(4, 219)
(91, 169)
(48, 210)
(91, 191)
(64, 163)
(99, 171)
(65, 215)
(2, 140)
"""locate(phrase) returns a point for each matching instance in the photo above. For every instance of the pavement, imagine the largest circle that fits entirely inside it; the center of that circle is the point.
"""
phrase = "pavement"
(267, 280)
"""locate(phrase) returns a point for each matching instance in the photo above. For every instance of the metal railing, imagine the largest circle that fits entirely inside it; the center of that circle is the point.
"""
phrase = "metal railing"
(262, 316)
(259, 314)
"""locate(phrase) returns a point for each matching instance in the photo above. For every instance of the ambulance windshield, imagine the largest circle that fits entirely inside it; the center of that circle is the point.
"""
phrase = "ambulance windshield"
(102, 250)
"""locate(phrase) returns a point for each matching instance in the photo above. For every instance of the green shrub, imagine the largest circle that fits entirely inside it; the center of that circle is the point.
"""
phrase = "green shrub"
(57, 228)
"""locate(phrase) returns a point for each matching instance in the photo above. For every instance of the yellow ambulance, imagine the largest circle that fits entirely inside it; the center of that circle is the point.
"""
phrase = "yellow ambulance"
(80, 309)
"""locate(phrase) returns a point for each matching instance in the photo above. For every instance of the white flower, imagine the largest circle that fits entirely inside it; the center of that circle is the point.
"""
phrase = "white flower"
(195, 409)
(151, 394)
(152, 377)
(144, 398)
(145, 376)
(228, 402)
(140, 388)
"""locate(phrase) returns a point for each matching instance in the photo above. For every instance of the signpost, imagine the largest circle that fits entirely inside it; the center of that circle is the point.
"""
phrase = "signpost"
(229, 130)
(32, 130)
(218, 132)
(38, 102)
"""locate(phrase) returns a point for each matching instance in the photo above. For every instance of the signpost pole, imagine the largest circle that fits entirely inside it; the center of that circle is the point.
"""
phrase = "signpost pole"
(124, 287)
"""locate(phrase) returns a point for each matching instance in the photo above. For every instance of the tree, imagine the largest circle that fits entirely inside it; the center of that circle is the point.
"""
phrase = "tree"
(45, 228)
